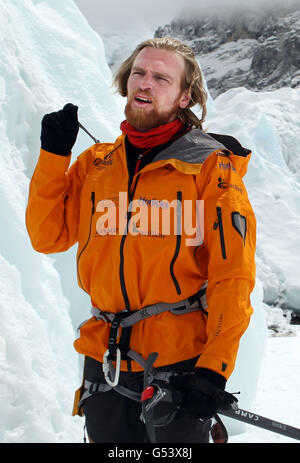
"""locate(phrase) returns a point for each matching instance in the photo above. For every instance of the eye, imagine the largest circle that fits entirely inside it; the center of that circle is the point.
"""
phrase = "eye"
(162, 79)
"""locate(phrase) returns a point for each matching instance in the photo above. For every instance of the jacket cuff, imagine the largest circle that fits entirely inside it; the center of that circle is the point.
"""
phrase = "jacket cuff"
(218, 380)
(65, 155)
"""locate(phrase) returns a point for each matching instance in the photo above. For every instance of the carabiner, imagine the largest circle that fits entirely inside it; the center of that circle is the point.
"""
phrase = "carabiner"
(108, 368)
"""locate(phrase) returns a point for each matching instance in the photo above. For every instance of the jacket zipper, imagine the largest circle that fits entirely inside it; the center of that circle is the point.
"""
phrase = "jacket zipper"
(139, 159)
(219, 223)
(178, 242)
(121, 269)
(87, 241)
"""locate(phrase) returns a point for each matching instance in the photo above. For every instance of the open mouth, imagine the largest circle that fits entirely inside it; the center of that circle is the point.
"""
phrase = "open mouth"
(142, 99)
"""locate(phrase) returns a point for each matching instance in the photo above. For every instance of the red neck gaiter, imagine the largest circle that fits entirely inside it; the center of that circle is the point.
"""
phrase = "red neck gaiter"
(153, 137)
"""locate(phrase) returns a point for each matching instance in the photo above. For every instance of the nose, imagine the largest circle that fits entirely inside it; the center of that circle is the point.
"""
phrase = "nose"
(146, 82)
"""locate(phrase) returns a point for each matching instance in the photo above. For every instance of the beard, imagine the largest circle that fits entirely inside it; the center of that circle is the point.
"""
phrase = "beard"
(146, 120)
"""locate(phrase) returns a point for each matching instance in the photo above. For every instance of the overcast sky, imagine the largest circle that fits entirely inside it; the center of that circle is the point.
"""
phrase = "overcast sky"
(113, 14)
(128, 13)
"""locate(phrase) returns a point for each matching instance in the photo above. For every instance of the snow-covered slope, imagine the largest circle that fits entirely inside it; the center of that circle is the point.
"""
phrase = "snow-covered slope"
(50, 56)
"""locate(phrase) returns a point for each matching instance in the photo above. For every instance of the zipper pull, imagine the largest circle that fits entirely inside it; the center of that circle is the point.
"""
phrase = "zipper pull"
(138, 163)
(139, 158)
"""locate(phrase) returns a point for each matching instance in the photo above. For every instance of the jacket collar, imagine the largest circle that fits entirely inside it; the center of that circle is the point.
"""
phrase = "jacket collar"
(189, 152)
(193, 147)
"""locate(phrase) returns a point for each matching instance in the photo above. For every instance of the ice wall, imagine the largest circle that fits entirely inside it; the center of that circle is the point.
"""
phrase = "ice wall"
(49, 56)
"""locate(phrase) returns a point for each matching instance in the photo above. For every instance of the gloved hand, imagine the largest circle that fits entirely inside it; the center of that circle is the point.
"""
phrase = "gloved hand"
(59, 130)
(204, 393)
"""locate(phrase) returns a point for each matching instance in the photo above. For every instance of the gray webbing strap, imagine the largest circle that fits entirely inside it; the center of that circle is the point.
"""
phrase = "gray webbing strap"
(177, 308)
(95, 388)
(137, 358)
(167, 396)
(154, 374)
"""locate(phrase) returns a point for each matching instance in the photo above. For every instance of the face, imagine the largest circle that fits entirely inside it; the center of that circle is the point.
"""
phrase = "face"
(154, 91)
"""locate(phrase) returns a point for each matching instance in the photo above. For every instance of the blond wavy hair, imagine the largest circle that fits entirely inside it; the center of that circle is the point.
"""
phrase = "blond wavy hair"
(192, 79)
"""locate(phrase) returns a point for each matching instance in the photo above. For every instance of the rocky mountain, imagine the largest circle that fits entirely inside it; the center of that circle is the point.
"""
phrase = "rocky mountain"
(255, 49)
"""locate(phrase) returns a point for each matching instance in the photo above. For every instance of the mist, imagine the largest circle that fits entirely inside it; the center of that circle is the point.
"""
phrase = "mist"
(117, 14)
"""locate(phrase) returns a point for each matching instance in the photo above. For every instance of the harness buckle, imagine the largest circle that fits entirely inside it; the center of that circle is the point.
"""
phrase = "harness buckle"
(108, 368)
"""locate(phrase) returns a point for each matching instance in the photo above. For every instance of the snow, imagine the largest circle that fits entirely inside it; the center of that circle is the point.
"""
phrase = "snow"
(233, 56)
(50, 56)
(266, 123)
(278, 395)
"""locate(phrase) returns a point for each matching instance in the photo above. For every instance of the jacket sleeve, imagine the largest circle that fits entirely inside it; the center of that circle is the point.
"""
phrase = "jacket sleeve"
(229, 253)
(52, 213)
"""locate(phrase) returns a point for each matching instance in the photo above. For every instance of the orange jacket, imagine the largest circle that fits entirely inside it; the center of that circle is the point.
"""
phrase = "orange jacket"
(148, 264)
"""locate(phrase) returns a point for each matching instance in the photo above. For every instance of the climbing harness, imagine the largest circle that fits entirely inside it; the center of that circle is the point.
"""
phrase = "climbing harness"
(116, 351)
(126, 320)
(155, 381)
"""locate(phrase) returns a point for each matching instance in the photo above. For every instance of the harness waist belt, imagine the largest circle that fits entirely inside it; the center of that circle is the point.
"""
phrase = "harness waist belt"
(126, 319)
(196, 302)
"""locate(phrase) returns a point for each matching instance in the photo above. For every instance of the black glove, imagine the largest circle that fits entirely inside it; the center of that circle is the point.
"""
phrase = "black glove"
(59, 130)
(204, 393)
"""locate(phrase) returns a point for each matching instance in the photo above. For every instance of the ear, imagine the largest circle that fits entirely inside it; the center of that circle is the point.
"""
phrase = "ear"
(185, 99)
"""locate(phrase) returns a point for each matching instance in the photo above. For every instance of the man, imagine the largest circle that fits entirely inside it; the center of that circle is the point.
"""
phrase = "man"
(153, 288)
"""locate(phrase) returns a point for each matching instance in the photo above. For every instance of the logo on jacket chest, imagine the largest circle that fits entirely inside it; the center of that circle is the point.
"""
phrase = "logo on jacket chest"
(223, 185)
(101, 164)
